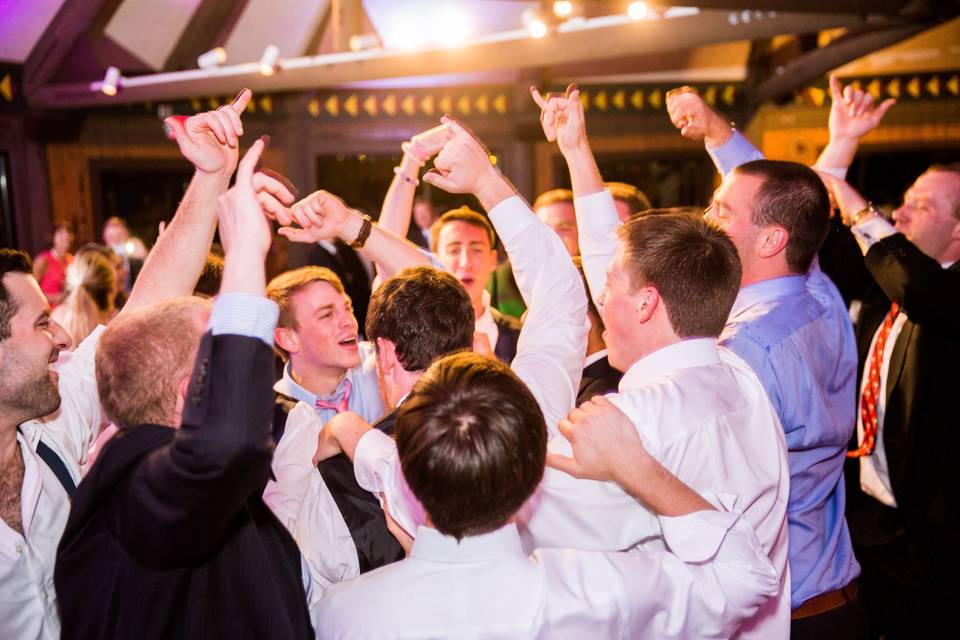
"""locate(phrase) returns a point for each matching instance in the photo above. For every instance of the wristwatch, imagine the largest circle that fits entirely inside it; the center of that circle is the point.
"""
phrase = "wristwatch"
(364, 233)
(867, 210)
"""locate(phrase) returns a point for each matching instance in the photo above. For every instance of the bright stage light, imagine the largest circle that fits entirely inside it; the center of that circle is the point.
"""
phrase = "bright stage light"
(535, 24)
(562, 8)
(450, 27)
(111, 81)
(638, 10)
(269, 60)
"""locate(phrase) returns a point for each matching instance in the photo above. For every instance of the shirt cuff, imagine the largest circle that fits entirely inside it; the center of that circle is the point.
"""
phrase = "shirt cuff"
(244, 314)
(733, 153)
(840, 173)
(696, 537)
(872, 230)
(434, 261)
(372, 447)
(511, 218)
(376, 466)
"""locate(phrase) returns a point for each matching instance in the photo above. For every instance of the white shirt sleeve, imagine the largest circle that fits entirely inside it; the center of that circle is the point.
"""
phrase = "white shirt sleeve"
(713, 577)
(293, 464)
(376, 466)
(597, 224)
(553, 339)
(74, 428)
(872, 230)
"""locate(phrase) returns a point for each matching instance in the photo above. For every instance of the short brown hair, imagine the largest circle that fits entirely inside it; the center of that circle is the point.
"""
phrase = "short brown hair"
(462, 214)
(143, 356)
(793, 196)
(635, 199)
(11, 261)
(692, 264)
(552, 197)
(282, 288)
(472, 443)
(426, 313)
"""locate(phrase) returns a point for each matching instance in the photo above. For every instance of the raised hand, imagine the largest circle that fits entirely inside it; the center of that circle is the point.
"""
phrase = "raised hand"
(243, 225)
(428, 143)
(562, 119)
(210, 140)
(605, 442)
(464, 166)
(320, 216)
(853, 113)
(691, 114)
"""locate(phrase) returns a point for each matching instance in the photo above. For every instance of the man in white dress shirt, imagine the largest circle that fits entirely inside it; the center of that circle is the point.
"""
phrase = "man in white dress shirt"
(472, 442)
(49, 418)
(666, 286)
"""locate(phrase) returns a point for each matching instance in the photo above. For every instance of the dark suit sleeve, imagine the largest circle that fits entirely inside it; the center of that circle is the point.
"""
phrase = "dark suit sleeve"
(928, 293)
(179, 501)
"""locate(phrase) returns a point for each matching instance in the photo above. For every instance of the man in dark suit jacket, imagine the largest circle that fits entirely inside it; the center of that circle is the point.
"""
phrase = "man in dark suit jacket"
(905, 524)
(168, 536)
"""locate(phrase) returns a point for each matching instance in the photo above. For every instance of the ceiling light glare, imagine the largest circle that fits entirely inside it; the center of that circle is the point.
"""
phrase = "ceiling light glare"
(638, 11)
(269, 60)
(563, 8)
(535, 24)
(212, 59)
(111, 82)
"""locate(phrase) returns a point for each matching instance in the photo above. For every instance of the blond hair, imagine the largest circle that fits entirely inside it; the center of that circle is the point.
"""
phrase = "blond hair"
(143, 357)
(90, 287)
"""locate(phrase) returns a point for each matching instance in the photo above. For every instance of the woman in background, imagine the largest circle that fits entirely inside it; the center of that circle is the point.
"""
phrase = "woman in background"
(91, 290)
(50, 267)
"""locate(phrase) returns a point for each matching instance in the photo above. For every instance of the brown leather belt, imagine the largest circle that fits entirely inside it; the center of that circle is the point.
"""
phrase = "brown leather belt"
(826, 601)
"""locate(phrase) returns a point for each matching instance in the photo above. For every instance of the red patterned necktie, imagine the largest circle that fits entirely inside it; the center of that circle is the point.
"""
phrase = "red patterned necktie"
(339, 406)
(871, 391)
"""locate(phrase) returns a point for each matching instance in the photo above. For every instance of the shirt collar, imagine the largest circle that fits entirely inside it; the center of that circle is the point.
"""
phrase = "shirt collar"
(694, 352)
(433, 546)
(767, 290)
(291, 388)
(594, 357)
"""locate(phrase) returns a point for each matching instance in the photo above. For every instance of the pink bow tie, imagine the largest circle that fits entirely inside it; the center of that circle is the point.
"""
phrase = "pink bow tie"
(339, 406)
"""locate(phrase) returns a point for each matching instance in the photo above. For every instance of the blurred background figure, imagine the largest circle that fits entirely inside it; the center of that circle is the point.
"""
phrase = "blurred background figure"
(131, 249)
(90, 294)
(424, 215)
(50, 267)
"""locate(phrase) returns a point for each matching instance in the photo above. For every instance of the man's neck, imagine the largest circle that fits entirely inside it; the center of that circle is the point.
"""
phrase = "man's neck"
(320, 381)
(763, 273)
(8, 443)
(478, 307)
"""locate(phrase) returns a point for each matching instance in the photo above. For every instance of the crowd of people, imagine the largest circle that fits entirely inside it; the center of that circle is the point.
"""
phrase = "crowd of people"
(703, 426)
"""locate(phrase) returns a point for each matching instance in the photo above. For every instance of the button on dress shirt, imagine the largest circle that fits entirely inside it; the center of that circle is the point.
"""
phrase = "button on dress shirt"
(485, 586)
(796, 335)
(27, 599)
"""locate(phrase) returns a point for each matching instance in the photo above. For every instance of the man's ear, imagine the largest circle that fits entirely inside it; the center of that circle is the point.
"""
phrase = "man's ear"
(648, 299)
(772, 240)
(387, 356)
(287, 339)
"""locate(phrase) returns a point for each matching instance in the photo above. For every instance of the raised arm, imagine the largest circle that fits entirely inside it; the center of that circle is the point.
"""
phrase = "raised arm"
(696, 120)
(853, 115)
(324, 216)
(553, 339)
(563, 121)
(398, 203)
(210, 141)
(191, 489)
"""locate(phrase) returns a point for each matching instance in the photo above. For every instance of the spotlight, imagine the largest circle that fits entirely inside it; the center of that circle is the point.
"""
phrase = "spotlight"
(535, 24)
(111, 81)
(213, 58)
(269, 60)
(562, 8)
(451, 27)
(364, 42)
(638, 10)
(410, 35)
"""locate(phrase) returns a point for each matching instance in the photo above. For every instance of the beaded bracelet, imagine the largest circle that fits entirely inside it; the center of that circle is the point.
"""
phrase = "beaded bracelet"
(414, 181)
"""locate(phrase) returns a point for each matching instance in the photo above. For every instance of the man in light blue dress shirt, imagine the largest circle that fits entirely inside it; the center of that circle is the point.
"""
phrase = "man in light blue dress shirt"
(790, 324)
